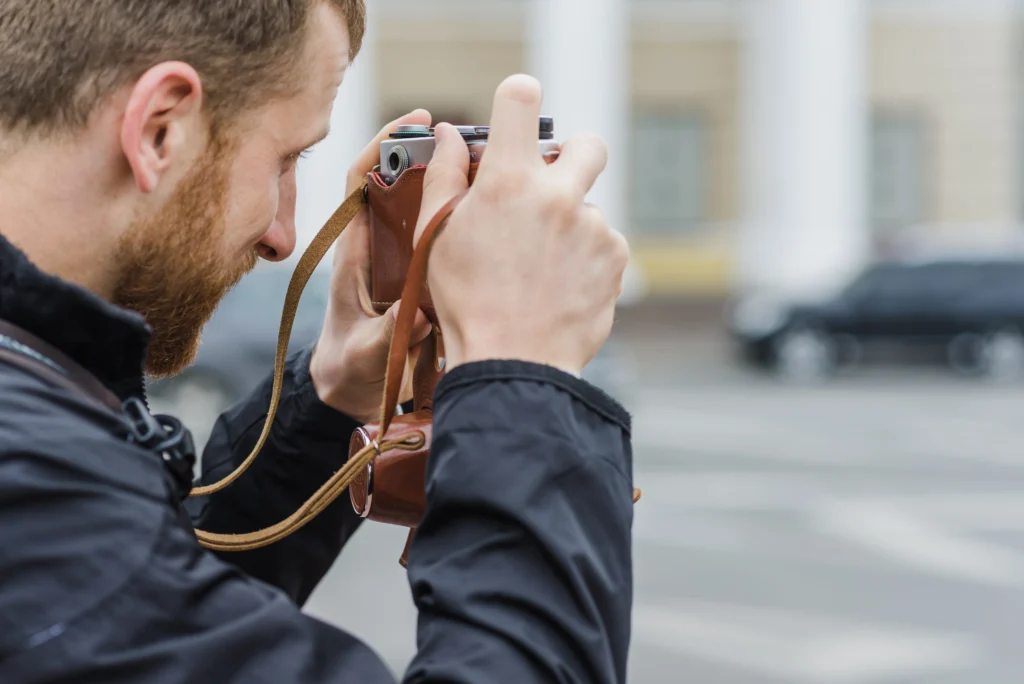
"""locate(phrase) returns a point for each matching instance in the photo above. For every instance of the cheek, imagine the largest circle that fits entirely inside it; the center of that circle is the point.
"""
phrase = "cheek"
(264, 209)
(252, 208)
(286, 194)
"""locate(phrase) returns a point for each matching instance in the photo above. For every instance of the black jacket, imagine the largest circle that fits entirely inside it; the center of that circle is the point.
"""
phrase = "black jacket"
(521, 571)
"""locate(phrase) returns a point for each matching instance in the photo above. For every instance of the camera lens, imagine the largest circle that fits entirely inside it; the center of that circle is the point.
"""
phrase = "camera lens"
(398, 160)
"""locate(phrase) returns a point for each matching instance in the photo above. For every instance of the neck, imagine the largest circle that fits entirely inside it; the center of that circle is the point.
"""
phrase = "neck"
(56, 209)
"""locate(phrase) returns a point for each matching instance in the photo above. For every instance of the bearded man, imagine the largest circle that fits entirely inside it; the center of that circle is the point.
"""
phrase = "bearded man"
(147, 162)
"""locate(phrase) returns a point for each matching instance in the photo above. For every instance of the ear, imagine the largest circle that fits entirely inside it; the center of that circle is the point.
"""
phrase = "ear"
(162, 113)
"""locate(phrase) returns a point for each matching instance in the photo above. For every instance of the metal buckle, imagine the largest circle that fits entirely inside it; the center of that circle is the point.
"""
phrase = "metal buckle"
(168, 438)
(369, 487)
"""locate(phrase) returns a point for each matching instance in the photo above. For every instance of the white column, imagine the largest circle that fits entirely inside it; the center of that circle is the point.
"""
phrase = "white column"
(805, 226)
(580, 52)
(321, 175)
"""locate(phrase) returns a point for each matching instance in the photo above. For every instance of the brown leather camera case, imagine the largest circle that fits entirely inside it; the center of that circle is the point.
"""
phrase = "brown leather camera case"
(394, 211)
(391, 489)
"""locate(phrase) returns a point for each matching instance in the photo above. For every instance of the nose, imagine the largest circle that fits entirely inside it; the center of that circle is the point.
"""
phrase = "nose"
(279, 242)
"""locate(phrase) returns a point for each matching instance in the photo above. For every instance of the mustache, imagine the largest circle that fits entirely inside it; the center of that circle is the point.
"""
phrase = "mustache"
(247, 266)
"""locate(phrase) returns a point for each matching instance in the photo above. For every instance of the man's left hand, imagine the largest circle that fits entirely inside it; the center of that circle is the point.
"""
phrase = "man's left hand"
(350, 358)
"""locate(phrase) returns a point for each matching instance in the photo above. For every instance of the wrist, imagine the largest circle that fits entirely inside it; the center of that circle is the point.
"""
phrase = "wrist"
(520, 358)
(330, 388)
(460, 354)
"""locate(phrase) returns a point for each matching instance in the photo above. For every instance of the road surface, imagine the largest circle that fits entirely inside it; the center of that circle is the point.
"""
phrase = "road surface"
(867, 532)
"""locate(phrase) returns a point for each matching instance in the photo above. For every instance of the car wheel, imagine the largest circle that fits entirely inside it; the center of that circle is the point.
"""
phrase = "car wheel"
(1002, 355)
(804, 355)
(197, 400)
(848, 352)
(965, 354)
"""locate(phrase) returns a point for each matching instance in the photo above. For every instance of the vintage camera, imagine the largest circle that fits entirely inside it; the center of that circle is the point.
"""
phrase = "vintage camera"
(391, 489)
(394, 193)
(412, 146)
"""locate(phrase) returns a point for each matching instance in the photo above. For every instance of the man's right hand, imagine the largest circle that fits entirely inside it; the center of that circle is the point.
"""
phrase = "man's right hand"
(524, 269)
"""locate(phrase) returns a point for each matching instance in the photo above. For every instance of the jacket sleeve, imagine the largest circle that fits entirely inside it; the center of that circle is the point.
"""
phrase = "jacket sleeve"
(308, 443)
(521, 570)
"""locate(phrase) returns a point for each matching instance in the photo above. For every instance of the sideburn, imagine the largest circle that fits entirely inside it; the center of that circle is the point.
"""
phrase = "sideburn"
(173, 268)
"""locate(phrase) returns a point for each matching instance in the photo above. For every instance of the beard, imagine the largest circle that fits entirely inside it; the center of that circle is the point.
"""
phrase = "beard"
(173, 268)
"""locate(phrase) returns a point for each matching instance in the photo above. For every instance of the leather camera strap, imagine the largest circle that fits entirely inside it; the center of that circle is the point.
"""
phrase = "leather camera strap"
(392, 380)
(397, 357)
(303, 271)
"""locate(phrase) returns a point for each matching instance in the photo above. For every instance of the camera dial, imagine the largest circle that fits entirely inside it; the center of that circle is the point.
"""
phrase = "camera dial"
(412, 131)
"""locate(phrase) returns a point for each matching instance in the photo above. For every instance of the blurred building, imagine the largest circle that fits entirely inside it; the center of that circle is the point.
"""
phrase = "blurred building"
(767, 143)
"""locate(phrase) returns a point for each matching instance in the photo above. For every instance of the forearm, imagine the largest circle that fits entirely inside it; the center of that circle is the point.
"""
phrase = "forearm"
(522, 567)
(308, 443)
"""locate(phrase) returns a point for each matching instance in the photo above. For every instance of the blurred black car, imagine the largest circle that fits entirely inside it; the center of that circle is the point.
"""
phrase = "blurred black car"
(968, 313)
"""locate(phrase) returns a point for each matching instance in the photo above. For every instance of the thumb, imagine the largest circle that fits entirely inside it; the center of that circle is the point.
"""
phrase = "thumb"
(447, 174)
(386, 328)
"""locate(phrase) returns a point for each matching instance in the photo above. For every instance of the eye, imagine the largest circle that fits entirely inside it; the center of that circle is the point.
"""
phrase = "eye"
(294, 157)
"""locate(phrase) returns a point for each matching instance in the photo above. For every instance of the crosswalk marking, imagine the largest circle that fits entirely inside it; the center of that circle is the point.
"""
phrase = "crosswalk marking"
(832, 427)
(920, 542)
(935, 533)
(801, 648)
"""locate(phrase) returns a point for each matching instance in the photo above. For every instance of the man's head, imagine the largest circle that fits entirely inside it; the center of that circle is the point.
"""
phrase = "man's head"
(149, 146)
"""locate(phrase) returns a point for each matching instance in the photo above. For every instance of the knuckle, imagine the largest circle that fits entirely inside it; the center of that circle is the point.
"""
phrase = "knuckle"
(492, 188)
(499, 183)
(589, 146)
(592, 141)
(620, 248)
(560, 200)
(596, 216)
(515, 175)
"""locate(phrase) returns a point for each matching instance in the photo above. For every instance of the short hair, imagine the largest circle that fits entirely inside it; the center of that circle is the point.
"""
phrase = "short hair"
(60, 58)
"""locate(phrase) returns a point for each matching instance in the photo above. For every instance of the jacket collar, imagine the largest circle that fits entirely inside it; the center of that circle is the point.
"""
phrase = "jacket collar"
(106, 340)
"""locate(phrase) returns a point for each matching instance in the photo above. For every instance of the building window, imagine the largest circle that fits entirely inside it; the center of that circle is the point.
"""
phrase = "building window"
(669, 173)
(897, 183)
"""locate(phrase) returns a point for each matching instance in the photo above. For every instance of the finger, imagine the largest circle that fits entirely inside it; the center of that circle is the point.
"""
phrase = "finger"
(614, 245)
(595, 217)
(620, 259)
(350, 281)
(515, 122)
(370, 156)
(447, 174)
(420, 328)
(583, 158)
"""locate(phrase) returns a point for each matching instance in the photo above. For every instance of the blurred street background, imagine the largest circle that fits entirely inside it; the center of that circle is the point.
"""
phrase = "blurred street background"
(821, 338)
(866, 532)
